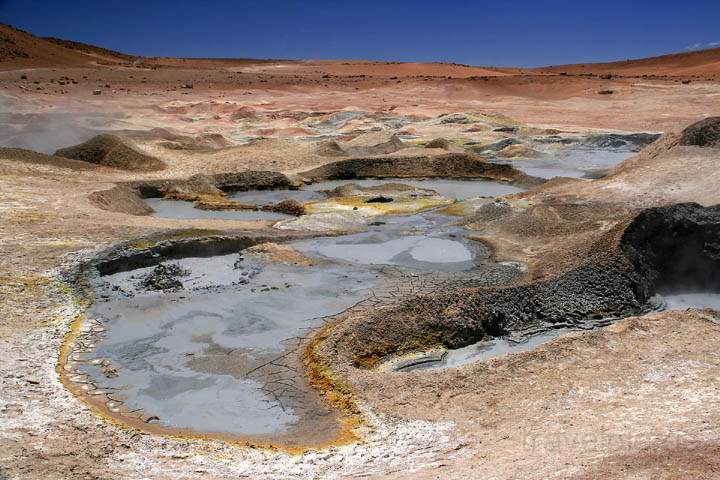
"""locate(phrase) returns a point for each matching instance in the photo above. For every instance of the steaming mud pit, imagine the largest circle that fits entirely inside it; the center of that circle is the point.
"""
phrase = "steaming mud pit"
(448, 188)
(196, 357)
(210, 345)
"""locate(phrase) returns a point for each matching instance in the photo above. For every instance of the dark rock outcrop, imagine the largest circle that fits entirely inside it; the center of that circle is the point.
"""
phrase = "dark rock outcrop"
(289, 207)
(705, 133)
(675, 248)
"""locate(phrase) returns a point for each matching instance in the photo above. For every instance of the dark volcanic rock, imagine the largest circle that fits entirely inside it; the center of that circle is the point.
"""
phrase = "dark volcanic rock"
(164, 277)
(289, 207)
(379, 199)
(675, 248)
(705, 133)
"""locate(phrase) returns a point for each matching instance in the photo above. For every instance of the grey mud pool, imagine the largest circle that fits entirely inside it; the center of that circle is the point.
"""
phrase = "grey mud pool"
(214, 348)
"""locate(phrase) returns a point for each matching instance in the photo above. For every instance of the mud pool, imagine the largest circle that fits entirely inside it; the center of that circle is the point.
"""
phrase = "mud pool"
(487, 349)
(425, 242)
(186, 356)
(213, 349)
(267, 197)
(186, 210)
(476, 352)
(449, 188)
(573, 162)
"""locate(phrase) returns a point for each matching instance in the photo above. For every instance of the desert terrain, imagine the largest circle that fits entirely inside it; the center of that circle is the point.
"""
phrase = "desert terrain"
(220, 268)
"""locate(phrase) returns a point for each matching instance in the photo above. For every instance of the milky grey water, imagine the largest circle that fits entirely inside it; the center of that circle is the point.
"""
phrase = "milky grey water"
(573, 162)
(169, 348)
(186, 210)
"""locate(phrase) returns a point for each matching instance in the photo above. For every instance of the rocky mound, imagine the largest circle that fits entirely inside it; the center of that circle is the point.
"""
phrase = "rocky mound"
(194, 188)
(31, 157)
(329, 148)
(449, 165)
(112, 151)
(121, 199)
(705, 133)
(164, 277)
(444, 144)
(373, 143)
(289, 207)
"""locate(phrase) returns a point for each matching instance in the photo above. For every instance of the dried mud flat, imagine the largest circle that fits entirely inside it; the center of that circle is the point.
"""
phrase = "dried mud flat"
(635, 399)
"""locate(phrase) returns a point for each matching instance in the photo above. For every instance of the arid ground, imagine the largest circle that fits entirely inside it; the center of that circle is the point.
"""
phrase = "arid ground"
(637, 397)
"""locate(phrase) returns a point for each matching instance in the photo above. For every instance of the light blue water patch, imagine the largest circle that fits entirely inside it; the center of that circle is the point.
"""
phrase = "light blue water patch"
(572, 162)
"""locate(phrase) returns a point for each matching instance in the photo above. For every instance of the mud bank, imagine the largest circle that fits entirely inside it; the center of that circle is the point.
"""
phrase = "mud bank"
(632, 263)
(449, 165)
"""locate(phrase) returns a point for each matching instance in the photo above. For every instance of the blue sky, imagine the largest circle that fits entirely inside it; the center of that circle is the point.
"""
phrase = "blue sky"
(497, 32)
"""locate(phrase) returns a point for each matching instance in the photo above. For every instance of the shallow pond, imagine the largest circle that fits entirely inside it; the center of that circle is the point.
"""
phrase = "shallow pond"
(186, 210)
(573, 162)
(185, 356)
(426, 242)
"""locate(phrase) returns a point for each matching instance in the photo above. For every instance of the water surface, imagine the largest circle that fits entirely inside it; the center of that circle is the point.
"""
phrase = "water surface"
(186, 210)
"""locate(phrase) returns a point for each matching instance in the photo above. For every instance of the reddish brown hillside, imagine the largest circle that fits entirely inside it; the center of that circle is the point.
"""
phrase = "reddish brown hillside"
(20, 49)
(703, 63)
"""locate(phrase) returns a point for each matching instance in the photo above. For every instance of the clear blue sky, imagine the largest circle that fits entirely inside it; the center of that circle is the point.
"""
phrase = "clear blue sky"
(496, 32)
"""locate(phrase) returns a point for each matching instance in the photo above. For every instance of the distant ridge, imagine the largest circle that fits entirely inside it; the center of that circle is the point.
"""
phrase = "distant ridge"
(19, 49)
(698, 62)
